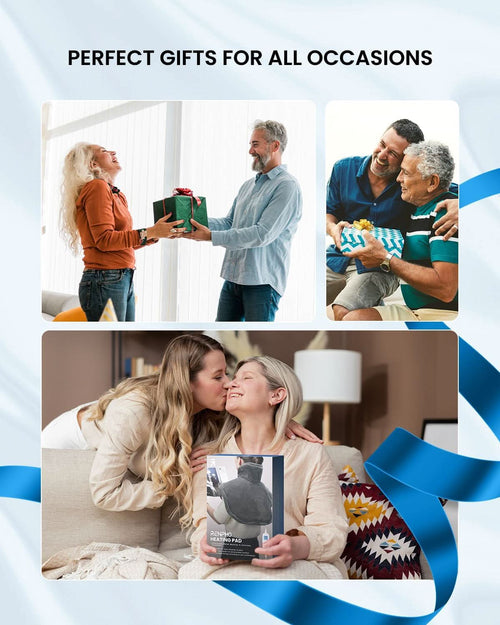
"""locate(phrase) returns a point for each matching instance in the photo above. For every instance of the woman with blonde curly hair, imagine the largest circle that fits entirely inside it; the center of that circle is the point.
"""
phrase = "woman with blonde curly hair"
(263, 398)
(95, 215)
(149, 426)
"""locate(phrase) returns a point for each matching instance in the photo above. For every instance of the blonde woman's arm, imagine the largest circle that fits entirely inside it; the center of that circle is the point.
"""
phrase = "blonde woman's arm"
(126, 428)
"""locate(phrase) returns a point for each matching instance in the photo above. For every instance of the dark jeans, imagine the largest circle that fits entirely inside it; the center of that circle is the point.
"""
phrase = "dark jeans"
(99, 285)
(239, 302)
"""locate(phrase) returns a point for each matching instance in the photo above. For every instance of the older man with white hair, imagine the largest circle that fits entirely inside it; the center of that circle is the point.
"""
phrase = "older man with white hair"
(428, 268)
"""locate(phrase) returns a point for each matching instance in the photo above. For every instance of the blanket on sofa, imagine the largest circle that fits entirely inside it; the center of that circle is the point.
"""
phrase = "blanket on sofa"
(109, 561)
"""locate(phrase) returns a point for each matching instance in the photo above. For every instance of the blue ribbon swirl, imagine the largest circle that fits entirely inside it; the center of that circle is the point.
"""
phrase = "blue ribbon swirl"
(20, 482)
(411, 473)
(480, 187)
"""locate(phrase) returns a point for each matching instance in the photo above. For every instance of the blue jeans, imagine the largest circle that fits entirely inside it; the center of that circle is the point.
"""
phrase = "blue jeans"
(99, 285)
(238, 302)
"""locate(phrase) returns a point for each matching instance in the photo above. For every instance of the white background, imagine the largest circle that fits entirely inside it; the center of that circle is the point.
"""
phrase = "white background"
(34, 39)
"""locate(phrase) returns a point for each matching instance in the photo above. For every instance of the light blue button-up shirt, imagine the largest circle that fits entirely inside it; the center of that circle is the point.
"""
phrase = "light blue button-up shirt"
(257, 233)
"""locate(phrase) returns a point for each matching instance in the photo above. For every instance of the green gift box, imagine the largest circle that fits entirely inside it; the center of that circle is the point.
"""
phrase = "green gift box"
(183, 205)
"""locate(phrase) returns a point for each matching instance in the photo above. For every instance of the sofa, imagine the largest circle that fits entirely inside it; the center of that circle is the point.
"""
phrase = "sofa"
(54, 303)
(71, 520)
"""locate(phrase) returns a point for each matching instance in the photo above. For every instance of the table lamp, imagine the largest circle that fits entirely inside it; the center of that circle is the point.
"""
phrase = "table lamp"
(329, 376)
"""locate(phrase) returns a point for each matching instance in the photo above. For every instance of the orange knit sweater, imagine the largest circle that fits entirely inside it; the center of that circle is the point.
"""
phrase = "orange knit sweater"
(105, 226)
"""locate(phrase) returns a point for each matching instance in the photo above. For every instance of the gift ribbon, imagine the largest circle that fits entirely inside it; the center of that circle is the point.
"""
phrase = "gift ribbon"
(401, 467)
(188, 193)
(20, 482)
(411, 473)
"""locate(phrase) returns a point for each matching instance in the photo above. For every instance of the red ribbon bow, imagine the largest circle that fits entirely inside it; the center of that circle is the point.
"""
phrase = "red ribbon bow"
(186, 192)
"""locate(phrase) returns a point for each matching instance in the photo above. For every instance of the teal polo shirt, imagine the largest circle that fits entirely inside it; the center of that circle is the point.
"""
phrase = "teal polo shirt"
(423, 247)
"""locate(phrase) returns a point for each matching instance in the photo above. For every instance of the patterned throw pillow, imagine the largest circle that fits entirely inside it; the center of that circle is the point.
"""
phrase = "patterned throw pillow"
(379, 543)
(348, 475)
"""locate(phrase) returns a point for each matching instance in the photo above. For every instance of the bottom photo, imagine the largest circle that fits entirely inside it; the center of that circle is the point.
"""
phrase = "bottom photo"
(234, 454)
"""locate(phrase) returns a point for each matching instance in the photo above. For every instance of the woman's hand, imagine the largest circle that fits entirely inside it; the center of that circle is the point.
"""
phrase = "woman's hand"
(206, 550)
(295, 430)
(198, 459)
(164, 230)
(285, 550)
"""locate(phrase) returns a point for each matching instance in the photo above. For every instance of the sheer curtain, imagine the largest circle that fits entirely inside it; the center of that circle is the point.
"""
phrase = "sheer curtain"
(138, 133)
(161, 145)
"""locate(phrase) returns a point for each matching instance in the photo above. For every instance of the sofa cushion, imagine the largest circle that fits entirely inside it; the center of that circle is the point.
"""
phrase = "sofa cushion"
(379, 544)
(173, 543)
(53, 303)
(69, 516)
(341, 455)
(73, 314)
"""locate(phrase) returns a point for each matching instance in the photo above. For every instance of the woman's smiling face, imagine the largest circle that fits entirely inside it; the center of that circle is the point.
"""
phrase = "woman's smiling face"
(106, 160)
(249, 391)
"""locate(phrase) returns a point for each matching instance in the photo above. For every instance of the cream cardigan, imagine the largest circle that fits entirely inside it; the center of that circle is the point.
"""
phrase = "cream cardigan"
(120, 438)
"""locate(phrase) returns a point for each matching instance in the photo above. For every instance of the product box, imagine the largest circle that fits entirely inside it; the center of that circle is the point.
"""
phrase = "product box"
(244, 503)
(391, 238)
(184, 207)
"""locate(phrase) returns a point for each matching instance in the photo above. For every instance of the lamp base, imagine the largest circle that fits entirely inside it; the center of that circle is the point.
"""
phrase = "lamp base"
(326, 426)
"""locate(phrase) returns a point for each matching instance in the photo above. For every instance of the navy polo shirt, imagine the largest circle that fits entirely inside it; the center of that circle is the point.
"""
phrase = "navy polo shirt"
(349, 197)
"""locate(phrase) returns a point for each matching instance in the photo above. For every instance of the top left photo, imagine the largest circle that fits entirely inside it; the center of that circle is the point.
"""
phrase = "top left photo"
(189, 211)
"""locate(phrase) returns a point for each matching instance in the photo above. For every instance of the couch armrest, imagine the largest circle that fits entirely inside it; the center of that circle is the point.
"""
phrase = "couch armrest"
(53, 303)
(70, 518)
(341, 455)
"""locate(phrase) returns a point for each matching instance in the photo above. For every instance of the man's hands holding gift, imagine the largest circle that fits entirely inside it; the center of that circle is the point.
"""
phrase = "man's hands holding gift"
(335, 231)
(202, 233)
(372, 254)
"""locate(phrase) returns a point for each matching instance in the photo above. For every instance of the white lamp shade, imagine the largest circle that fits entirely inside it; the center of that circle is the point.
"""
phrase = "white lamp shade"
(329, 375)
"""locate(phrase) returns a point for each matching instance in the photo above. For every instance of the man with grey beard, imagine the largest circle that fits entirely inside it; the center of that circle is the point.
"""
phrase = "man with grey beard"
(257, 232)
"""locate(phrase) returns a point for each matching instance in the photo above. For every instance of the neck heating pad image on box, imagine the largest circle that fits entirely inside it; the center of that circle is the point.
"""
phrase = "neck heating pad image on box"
(244, 503)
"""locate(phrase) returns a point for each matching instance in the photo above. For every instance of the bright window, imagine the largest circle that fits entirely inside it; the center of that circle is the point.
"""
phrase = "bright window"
(161, 145)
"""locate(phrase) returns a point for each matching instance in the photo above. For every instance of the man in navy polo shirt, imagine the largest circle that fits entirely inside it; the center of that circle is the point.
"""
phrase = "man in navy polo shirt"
(366, 187)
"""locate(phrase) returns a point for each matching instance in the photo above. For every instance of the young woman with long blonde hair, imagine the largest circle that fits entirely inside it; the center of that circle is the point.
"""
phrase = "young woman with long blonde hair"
(150, 426)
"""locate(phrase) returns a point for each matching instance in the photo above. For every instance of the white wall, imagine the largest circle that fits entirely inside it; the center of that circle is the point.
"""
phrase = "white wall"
(353, 128)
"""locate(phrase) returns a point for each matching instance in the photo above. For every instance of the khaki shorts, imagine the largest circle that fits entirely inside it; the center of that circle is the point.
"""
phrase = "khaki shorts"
(354, 290)
(398, 312)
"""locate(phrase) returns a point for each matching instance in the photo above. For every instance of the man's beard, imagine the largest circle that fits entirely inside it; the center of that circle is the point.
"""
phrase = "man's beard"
(259, 163)
(386, 173)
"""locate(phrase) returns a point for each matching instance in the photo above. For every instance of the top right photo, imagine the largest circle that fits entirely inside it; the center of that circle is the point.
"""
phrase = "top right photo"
(392, 210)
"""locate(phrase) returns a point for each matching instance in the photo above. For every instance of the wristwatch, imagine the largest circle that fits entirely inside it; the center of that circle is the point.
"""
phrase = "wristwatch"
(385, 265)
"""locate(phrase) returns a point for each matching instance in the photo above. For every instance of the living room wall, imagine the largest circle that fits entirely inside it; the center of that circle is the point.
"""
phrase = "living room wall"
(406, 376)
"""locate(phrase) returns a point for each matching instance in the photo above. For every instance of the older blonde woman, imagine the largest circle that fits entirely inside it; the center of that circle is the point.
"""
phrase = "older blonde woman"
(95, 214)
(262, 399)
